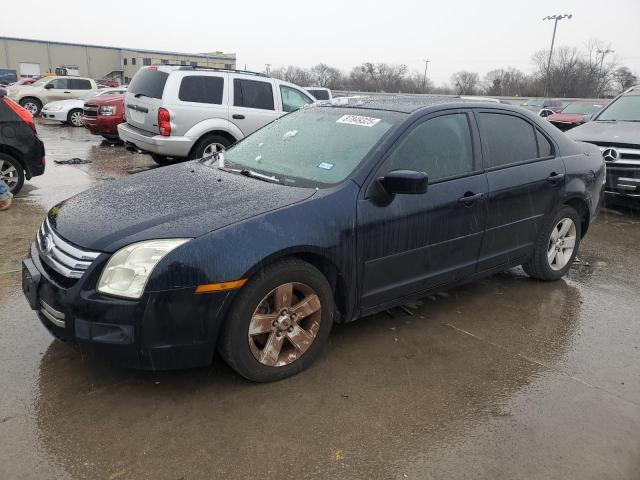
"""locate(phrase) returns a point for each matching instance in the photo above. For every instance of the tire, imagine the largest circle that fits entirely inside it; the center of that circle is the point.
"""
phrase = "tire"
(242, 351)
(12, 173)
(74, 118)
(160, 159)
(207, 143)
(562, 250)
(33, 105)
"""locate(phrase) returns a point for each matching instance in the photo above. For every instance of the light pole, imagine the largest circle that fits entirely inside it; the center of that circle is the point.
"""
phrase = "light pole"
(268, 69)
(424, 79)
(556, 19)
(602, 53)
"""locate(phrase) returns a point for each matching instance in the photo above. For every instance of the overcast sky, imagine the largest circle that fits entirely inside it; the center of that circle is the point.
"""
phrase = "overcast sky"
(477, 35)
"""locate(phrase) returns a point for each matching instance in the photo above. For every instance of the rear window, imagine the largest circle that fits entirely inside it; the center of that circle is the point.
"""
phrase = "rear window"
(79, 84)
(252, 94)
(148, 82)
(319, 94)
(201, 89)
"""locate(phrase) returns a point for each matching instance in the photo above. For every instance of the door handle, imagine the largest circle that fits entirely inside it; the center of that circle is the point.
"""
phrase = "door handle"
(67, 92)
(470, 198)
(555, 178)
(237, 116)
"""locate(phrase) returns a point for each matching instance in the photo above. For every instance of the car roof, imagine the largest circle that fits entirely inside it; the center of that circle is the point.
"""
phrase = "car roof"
(398, 103)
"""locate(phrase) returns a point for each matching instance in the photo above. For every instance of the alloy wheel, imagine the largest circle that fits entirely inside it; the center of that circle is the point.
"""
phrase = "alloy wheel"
(9, 174)
(561, 244)
(212, 149)
(285, 324)
(31, 107)
(76, 119)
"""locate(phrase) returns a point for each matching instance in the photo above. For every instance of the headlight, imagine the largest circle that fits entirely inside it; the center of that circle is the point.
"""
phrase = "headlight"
(108, 110)
(128, 270)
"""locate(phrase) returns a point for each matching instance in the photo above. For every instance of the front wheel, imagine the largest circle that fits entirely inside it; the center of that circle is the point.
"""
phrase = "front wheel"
(279, 322)
(12, 173)
(556, 247)
(75, 117)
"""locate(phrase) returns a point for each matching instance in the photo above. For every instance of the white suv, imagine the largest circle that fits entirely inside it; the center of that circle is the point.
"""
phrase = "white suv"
(178, 112)
(50, 89)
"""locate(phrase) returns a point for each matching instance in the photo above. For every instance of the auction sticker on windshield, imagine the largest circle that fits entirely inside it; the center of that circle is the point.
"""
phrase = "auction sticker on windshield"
(358, 120)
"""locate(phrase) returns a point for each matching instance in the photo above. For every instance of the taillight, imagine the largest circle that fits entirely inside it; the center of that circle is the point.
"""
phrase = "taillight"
(164, 122)
(22, 113)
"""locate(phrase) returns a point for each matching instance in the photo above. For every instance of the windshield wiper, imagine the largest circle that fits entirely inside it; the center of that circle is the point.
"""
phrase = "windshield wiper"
(259, 176)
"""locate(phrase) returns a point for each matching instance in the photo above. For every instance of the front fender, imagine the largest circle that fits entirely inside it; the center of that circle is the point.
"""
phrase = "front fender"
(211, 125)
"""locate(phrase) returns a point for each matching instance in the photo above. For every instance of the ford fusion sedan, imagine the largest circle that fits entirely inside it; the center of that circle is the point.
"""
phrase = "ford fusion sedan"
(326, 215)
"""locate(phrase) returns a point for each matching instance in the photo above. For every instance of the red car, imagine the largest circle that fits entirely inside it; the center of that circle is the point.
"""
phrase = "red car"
(102, 115)
(575, 114)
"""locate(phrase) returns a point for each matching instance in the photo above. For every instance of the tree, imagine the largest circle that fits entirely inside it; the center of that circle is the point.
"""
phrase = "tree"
(465, 82)
(624, 78)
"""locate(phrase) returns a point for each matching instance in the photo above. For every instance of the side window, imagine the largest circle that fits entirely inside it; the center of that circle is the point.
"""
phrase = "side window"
(60, 83)
(293, 99)
(79, 84)
(507, 139)
(124, 61)
(252, 94)
(544, 146)
(201, 89)
(441, 147)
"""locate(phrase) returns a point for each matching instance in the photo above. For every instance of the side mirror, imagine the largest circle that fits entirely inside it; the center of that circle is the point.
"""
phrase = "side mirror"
(545, 112)
(404, 182)
(49, 86)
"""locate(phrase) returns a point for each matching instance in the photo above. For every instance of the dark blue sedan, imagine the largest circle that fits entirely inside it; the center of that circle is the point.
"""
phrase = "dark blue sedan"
(328, 214)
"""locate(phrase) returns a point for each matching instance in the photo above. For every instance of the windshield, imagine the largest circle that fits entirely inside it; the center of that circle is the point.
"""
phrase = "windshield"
(625, 109)
(41, 82)
(312, 146)
(581, 108)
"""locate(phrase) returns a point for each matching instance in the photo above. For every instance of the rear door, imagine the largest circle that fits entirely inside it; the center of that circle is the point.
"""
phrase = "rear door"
(79, 87)
(526, 181)
(144, 97)
(252, 103)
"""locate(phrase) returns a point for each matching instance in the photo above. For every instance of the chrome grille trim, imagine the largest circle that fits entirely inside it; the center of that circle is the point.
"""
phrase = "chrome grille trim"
(60, 255)
(56, 317)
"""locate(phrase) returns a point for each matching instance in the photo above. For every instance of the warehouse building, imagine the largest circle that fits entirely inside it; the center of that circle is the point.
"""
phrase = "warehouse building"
(20, 57)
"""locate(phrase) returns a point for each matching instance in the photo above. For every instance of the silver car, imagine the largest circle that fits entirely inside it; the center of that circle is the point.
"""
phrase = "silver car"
(179, 112)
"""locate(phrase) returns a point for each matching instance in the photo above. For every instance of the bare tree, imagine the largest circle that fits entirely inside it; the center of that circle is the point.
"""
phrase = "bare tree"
(623, 78)
(465, 82)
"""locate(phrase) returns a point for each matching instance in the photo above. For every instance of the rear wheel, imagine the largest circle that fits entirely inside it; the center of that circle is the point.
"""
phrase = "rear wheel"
(12, 173)
(209, 145)
(279, 322)
(32, 105)
(556, 247)
(75, 117)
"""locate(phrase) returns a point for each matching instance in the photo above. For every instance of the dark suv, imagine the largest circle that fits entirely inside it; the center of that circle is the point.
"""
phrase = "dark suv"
(328, 214)
(21, 151)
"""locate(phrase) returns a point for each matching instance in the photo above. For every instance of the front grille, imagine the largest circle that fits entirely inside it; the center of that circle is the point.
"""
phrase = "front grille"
(90, 110)
(65, 259)
(626, 155)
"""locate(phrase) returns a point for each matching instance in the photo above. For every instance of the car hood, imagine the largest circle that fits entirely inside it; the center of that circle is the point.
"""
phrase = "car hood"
(115, 99)
(607, 132)
(66, 104)
(180, 201)
(566, 117)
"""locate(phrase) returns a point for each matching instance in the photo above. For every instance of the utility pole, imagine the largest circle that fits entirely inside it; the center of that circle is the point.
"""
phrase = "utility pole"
(556, 19)
(424, 79)
(598, 86)
(268, 69)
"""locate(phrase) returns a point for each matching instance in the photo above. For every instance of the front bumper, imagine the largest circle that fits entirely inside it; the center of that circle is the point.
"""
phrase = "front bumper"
(161, 331)
(623, 181)
(171, 146)
(58, 115)
(102, 125)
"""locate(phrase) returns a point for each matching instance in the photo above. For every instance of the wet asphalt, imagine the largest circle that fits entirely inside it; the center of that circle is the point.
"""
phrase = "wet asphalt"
(505, 378)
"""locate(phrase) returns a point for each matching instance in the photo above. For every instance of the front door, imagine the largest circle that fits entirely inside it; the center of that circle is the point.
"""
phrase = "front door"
(252, 103)
(418, 242)
(526, 180)
(58, 89)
